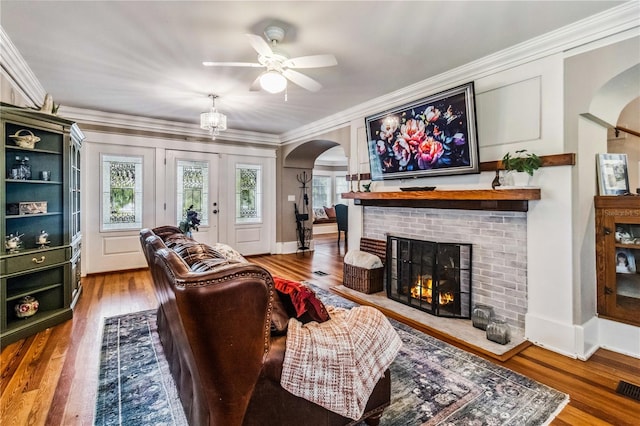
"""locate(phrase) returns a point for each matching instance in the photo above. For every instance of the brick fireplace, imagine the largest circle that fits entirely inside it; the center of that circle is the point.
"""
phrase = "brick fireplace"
(499, 239)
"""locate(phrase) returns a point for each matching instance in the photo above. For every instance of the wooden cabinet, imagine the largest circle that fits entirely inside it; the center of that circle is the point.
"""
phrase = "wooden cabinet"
(618, 258)
(39, 203)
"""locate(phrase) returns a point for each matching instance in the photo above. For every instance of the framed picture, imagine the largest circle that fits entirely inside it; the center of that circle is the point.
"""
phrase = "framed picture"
(432, 136)
(625, 262)
(613, 178)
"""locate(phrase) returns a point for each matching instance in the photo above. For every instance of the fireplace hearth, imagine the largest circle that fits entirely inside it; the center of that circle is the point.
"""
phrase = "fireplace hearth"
(430, 276)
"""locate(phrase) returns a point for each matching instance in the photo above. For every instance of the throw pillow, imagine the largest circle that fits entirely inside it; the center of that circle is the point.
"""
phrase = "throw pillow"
(229, 252)
(331, 212)
(319, 213)
(192, 253)
(301, 300)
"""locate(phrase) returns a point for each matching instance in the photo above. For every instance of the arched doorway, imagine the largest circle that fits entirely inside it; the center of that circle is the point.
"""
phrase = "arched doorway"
(298, 161)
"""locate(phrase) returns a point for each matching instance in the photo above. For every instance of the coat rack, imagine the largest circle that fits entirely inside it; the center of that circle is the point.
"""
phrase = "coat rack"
(304, 233)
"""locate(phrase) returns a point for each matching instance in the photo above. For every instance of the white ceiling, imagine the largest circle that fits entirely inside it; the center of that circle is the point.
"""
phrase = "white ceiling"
(144, 57)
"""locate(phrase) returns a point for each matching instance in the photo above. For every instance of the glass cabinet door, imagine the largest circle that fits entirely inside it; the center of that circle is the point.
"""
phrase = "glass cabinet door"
(623, 293)
(618, 258)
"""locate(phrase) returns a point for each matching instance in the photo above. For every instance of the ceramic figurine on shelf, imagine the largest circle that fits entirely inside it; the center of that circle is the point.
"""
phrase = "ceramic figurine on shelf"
(27, 307)
(43, 239)
(13, 243)
(47, 105)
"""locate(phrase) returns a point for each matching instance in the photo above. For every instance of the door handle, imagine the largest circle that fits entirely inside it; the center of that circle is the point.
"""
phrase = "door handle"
(215, 212)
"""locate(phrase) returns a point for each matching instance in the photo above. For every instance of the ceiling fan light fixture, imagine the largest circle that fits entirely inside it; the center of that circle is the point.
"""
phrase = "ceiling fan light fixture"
(212, 120)
(273, 82)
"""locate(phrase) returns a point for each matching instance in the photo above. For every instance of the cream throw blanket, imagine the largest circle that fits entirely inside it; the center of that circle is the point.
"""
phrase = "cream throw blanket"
(337, 363)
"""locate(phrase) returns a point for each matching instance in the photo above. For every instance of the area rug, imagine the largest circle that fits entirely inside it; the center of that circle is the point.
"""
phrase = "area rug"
(135, 385)
(433, 383)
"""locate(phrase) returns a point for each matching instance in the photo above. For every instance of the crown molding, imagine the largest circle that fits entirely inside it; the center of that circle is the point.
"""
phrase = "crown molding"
(145, 124)
(15, 67)
(614, 21)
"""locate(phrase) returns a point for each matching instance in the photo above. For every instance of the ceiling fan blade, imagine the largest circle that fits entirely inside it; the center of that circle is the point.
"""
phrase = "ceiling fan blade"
(260, 45)
(302, 80)
(314, 61)
(231, 64)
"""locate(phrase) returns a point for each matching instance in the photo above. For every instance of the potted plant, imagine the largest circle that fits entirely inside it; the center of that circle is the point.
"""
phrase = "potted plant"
(520, 167)
(191, 222)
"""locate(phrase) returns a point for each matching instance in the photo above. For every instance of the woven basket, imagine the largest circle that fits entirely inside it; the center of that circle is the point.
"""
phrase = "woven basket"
(364, 280)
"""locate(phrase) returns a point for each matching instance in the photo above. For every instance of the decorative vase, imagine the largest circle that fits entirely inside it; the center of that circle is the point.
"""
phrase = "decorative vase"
(518, 179)
(498, 331)
(481, 315)
(27, 307)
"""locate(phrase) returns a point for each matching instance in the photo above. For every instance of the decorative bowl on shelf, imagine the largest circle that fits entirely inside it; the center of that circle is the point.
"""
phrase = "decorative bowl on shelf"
(27, 307)
(25, 139)
(418, 188)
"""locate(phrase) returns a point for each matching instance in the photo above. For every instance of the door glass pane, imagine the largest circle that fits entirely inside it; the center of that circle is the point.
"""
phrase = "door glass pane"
(121, 192)
(192, 189)
(248, 193)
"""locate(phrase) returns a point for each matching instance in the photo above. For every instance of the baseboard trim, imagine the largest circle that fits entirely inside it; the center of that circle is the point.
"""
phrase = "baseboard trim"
(290, 247)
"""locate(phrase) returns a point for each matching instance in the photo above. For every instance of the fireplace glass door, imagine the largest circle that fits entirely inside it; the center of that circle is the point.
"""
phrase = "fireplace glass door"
(431, 276)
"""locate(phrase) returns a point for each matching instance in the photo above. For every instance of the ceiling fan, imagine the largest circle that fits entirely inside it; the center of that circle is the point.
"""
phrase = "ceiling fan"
(279, 67)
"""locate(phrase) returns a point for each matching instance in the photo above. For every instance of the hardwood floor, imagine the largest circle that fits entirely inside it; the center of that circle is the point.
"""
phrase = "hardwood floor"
(51, 378)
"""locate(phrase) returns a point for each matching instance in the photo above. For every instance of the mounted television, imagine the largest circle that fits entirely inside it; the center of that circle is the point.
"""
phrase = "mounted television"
(433, 136)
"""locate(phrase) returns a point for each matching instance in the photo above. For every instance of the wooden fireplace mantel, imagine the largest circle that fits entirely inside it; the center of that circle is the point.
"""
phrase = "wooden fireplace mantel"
(516, 199)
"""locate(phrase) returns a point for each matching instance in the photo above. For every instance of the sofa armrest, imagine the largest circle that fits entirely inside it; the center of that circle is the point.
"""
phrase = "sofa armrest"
(226, 317)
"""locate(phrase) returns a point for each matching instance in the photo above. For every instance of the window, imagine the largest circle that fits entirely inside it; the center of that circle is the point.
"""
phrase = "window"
(248, 193)
(341, 186)
(121, 192)
(328, 188)
(321, 191)
(192, 189)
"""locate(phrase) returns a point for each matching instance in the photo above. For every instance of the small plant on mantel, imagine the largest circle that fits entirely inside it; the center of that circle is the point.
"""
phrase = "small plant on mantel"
(521, 161)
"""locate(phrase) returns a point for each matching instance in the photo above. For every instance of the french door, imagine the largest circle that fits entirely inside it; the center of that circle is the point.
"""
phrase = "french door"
(249, 193)
(192, 181)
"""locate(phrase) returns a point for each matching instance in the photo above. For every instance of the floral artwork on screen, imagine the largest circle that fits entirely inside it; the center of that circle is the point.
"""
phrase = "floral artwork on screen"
(433, 136)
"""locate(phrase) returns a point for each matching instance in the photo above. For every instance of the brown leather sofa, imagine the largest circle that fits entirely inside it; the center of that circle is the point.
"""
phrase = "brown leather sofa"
(223, 328)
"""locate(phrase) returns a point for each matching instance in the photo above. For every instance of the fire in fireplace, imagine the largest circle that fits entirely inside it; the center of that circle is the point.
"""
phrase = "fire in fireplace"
(423, 289)
(430, 276)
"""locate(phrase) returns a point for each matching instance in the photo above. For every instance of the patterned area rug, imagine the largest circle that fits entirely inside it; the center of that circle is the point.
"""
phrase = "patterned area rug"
(135, 385)
(433, 383)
